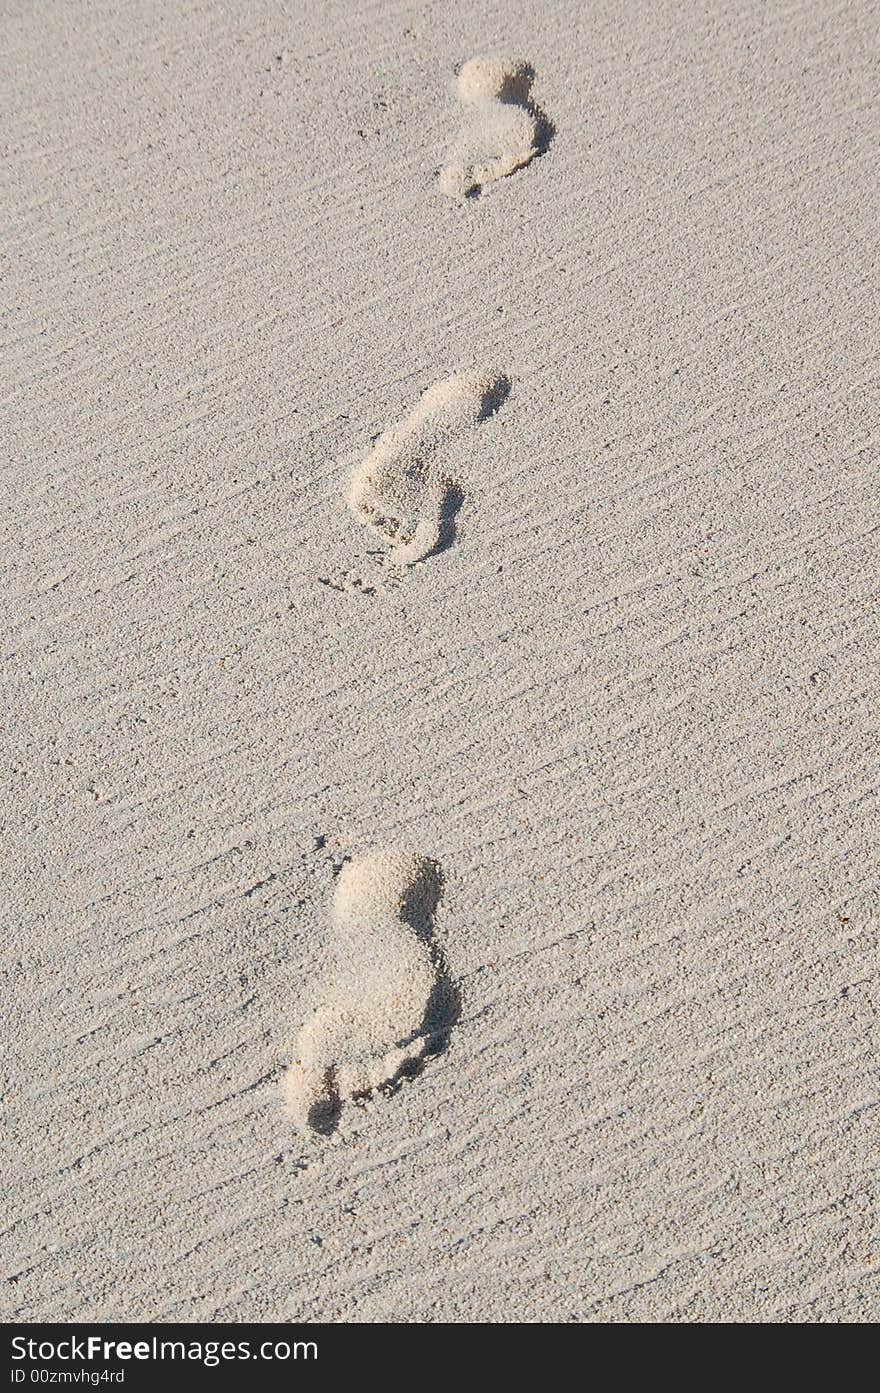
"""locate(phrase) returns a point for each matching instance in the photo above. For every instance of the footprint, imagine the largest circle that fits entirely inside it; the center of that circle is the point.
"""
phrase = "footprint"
(388, 1004)
(399, 490)
(504, 129)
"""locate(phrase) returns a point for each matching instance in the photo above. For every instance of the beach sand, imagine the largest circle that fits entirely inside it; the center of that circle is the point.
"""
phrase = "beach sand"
(605, 656)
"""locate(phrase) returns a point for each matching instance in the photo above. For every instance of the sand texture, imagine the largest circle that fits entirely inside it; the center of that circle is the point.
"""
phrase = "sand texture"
(440, 673)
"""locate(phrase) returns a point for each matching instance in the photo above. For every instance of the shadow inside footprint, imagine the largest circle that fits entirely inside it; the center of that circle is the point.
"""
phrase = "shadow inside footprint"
(325, 1112)
(545, 130)
(443, 1006)
(420, 900)
(441, 1014)
(453, 499)
(494, 397)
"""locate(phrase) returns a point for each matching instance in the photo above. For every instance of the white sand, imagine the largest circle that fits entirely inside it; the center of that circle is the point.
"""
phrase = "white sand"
(631, 707)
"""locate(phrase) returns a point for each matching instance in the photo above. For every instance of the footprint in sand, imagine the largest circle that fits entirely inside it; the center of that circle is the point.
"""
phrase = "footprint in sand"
(387, 1004)
(504, 129)
(400, 490)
